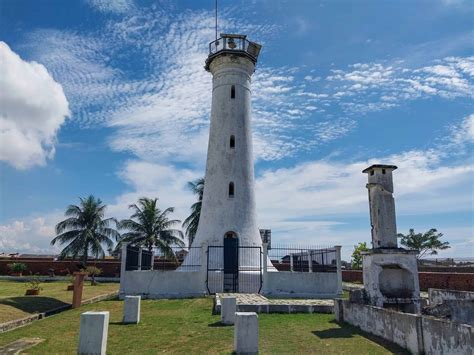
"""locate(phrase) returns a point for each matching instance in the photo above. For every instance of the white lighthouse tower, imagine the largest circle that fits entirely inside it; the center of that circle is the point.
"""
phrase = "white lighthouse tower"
(228, 220)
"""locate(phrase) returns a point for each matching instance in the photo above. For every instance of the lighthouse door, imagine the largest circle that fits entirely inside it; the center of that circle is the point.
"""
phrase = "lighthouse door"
(231, 263)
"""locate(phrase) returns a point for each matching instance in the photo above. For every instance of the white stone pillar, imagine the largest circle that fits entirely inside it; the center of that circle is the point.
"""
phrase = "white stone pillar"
(123, 261)
(339, 291)
(310, 261)
(139, 258)
(246, 333)
(131, 309)
(93, 333)
(228, 309)
(291, 262)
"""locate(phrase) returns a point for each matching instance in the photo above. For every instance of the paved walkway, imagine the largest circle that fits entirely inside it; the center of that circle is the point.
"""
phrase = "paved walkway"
(19, 346)
(252, 302)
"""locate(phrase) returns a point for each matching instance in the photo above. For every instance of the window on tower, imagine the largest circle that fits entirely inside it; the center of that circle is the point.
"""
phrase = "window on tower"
(232, 142)
(232, 92)
(231, 189)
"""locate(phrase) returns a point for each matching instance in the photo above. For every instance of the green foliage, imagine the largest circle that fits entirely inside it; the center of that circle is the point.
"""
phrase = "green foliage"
(85, 230)
(191, 223)
(427, 243)
(149, 226)
(356, 260)
(93, 271)
(34, 283)
(17, 267)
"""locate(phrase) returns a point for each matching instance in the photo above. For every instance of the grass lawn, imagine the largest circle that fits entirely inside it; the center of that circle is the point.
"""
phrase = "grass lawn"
(187, 326)
(14, 304)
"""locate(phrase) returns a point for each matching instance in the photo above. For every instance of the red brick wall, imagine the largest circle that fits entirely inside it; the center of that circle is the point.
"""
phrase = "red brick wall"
(443, 280)
(39, 266)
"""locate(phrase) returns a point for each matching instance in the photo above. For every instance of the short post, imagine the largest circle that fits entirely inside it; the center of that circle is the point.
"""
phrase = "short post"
(291, 261)
(93, 333)
(338, 270)
(78, 286)
(131, 310)
(246, 333)
(228, 308)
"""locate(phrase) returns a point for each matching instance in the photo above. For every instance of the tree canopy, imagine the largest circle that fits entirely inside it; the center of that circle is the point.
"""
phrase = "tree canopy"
(192, 221)
(85, 230)
(427, 243)
(356, 261)
(150, 226)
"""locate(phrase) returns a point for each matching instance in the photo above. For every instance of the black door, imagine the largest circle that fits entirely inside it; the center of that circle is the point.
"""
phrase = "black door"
(231, 263)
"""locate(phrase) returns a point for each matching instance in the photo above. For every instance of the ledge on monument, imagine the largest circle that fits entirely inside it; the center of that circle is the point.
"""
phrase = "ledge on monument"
(389, 251)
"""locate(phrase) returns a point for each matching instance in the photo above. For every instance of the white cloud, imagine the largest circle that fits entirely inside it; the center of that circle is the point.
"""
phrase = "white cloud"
(29, 235)
(114, 6)
(365, 87)
(463, 132)
(32, 109)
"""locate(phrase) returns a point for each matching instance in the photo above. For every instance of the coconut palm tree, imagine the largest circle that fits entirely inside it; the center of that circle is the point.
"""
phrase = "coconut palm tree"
(85, 230)
(191, 223)
(149, 226)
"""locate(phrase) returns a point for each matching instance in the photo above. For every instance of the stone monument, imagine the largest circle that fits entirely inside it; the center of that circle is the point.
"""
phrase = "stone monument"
(390, 273)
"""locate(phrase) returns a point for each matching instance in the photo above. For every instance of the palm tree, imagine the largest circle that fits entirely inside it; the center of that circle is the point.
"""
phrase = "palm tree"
(149, 226)
(85, 230)
(191, 223)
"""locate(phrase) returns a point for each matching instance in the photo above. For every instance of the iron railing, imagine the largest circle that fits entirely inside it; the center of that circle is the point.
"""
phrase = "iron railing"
(246, 277)
(302, 258)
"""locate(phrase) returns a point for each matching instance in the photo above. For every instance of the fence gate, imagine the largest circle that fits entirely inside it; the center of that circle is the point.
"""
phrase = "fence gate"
(234, 268)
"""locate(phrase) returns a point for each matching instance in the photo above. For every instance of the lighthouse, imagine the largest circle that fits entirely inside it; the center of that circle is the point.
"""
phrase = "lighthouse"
(227, 222)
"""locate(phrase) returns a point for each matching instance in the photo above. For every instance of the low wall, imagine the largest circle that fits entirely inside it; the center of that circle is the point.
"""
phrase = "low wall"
(301, 284)
(439, 296)
(162, 284)
(399, 328)
(416, 333)
(442, 280)
(60, 267)
(445, 337)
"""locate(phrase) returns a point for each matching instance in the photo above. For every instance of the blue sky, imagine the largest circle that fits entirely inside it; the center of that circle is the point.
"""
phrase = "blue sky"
(110, 98)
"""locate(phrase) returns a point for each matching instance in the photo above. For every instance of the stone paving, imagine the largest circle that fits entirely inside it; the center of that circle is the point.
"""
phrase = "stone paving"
(252, 302)
(18, 346)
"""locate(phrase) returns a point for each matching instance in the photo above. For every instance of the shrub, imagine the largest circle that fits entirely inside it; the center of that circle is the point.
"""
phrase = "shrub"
(34, 283)
(17, 267)
(93, 271)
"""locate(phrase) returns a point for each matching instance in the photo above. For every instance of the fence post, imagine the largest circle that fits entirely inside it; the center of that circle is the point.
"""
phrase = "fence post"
(123, 260)
(291, 261)
(339, 270)
(139, 258)
(152, 263)
(203, 261)
(310, 261)
(265, 266)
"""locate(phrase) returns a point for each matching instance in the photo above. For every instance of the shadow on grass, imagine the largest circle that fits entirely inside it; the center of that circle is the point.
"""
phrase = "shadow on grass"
(218, 324)
(344, 330)
(33, 304)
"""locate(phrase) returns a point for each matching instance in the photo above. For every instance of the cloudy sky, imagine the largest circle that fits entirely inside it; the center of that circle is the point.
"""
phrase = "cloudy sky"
(110, 98)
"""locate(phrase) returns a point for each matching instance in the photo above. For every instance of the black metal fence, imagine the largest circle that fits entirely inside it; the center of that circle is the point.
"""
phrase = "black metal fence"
(132, 260)
(302, 258)
(244, 277)
(188, 259)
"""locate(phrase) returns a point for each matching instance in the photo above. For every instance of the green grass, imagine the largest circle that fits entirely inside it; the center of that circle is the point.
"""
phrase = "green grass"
(187, 326)
(14, 304)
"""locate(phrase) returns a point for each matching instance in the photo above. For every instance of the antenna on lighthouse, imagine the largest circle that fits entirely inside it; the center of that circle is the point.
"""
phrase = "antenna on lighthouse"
(216, 20)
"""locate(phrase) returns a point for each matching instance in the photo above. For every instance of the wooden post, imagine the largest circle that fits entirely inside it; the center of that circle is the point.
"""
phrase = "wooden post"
(78, 286)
